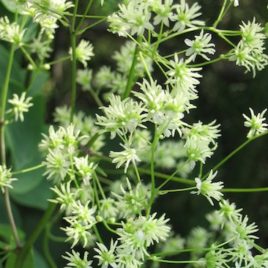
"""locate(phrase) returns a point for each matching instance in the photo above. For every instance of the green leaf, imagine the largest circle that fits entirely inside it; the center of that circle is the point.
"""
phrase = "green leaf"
(36, 198)
(7, 236)
(12, 5)
(28, 263)
(39, 260)
(23, 139)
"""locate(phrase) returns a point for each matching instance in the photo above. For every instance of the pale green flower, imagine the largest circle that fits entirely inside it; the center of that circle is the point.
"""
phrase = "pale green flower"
(125, 157)
(106, 257)
(200, 46)
(84, 78)
(20, 105)
(211, 190)
(121, 116)
(11, 32)
(255, 123)
(75, 261)
(185, 16)
(83, 52)
(6, 178)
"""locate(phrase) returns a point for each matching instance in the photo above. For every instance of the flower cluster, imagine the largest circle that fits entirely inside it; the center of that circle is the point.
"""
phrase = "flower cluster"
(249, 52)
(11, 32)
(140, 16)
(47, 13)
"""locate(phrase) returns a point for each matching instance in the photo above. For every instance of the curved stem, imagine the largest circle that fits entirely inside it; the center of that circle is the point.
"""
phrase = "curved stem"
(221, 14)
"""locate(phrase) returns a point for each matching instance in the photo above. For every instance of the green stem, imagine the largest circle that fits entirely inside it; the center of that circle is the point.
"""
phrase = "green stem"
(175, 262)
(46, 249)
(35, 234)
(90, 26)
(131, 75)
(85, 14)
(4, 94)
(73, 62)
(221, 14)
(96, 98)
(176, 190)
(245, 190)
(235, 151)
(167, 177)
(62, 59)
(30, 169)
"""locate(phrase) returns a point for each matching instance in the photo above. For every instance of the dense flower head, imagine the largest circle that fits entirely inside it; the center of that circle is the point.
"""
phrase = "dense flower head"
(132, 200)
(83, 52)
(84, 124)
(249, 52)
(183, 78)
(136, 235)
(132, 18)
(47, 13)
(121, 116)
(164, 109)
(11, 32)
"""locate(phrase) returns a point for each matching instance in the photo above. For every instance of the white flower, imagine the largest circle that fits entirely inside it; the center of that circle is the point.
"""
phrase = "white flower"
(125, 157)
(5, 178)
(85, 169)
(163, 12)
(64, 196)
(185, 16)
(236, 3)
(136, 235)
(106, 256)
(78, 232)
(133, 18)
(83, 52)
(183, 78)
(255, 123)
(11, 32)
(200, 46)
(20, 105)
(83, 214)
(243, 230)
(121, 116)
(74, 260)
(208, 188)
(132, 200)
(57, 166)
